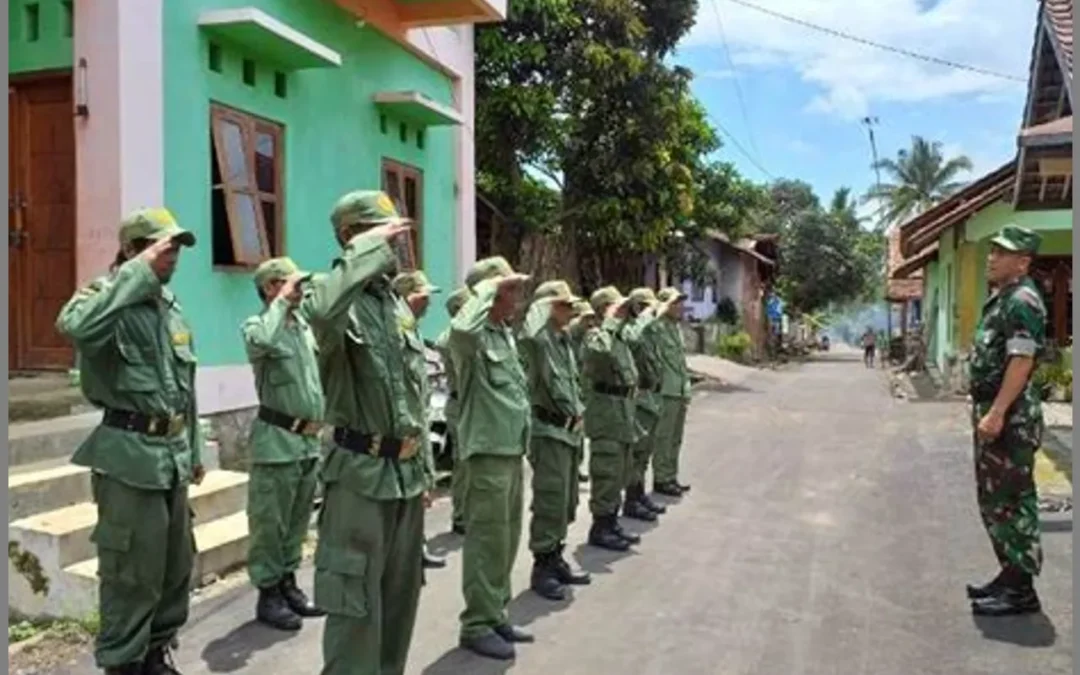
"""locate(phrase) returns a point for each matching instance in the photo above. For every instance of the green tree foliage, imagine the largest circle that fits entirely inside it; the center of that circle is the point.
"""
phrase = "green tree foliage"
(921, 177)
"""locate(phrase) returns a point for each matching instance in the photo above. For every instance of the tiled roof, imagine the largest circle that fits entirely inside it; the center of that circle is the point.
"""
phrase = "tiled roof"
(1059, 15)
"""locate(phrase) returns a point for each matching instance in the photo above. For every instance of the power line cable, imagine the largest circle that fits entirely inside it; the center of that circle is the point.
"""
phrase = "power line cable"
(735, 76)
(878, 45)
(740, 148)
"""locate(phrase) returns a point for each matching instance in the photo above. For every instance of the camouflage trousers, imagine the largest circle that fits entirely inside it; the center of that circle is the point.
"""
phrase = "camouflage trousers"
(1005, 488)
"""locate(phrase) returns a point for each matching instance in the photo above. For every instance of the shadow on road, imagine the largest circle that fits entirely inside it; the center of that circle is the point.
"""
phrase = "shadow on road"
(527, 607)
(445, 543)
(1024, 631)
(723, 387)
(1057, 526)
(233, 651)
(457, 661)
(598, 561)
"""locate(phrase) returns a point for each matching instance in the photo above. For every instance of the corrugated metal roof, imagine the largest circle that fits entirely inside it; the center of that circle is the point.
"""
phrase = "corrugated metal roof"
(1059, 15)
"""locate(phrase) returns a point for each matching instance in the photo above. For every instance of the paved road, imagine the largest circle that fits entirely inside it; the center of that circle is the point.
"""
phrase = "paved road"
(830, 530)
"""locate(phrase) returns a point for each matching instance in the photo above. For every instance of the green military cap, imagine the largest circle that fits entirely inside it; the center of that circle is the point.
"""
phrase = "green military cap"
(669, 295)
(555, 291)
(365, 207)
(643, 296)
(606, 296)
(457, 300)
(582, 308)
(490, 268)
(1017, 239)
(153, 224)
(408, 283)
(277, 268)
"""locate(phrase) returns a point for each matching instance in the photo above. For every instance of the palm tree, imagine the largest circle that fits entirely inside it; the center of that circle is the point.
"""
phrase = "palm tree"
(921, 176)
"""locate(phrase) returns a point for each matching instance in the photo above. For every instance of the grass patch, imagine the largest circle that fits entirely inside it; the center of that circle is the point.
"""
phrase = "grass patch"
(67, 630)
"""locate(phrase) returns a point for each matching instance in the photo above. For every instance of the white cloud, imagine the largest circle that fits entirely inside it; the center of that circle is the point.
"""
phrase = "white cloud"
(717, 74)
(991, 34)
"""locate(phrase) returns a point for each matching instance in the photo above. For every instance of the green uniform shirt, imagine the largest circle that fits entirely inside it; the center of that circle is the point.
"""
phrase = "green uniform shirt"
(416, 358)
(674, 375)
(369, 382)
(494, 416)
(282, 352)
(552, 372)
(442, 345)
(136, 354)
(609, 362)
(643, 346)
(1013, 324)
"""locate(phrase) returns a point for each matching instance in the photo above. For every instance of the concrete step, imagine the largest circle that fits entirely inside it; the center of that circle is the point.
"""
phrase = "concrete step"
(43, 440)
(63, 536)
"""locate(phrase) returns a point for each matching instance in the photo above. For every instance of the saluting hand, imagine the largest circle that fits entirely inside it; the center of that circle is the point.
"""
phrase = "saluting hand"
(290, 289)
(154, 255)
(390, 230)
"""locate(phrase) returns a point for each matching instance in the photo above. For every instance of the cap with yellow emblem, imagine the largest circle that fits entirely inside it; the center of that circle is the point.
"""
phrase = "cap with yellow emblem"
(604, 297)
(491, 268)
(555, 291)
(277, 268)
(365, 207)
(153, 224)
(413, 283)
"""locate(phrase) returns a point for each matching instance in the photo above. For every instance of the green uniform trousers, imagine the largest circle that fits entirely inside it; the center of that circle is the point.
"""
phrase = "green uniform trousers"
(642, 451)
(492, 534)
(457, 484)
(367, 580)
(280, 500)
(554, 492)
(608, 462)
(146, 550)
(669, 437)
(1008, 501)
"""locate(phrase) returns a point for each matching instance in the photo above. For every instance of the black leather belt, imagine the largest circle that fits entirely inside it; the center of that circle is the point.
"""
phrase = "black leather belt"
(554, 419)
(608, 390)
(141, 423)
(376, 445)
(296, 425)
(654, 389)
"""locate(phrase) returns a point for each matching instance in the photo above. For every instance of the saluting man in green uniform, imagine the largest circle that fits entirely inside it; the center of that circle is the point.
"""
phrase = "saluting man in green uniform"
(610, 420)
(371, 526)
(584, 320)
(494, 430)
(284, 443)
(457, 480)
(643, 341)
(416, 290)
(555, 393)
(1008, 423)
(674, 394)
(137, 363)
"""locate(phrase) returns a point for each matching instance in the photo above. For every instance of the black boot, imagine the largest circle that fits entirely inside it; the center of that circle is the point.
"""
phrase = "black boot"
(158, 662)
(1015, 595)
(628, 537)
(457, 527)
(126, 669)
(602, 535)
(512, 633)
(432, 561)
(566, 574)
(490, 645)
(648, 503)
(668, 489)
(633, 508)
(545, 582)
(273, 610)
(682, 488)
(297, 600)
(986, 590)
(582, 478)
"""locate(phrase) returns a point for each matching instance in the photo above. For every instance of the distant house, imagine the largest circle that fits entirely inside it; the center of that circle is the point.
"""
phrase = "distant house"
(740, 271)
(949, 243)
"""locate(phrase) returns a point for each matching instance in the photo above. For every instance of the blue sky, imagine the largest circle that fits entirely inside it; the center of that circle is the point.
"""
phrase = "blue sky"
(805, 92)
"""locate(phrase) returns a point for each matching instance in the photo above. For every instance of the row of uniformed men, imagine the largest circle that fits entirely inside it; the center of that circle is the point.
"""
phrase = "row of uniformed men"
(341, 349)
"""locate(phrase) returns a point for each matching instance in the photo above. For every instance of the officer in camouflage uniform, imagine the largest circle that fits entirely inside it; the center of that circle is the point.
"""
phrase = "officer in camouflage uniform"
(493, 429)
(457, 481)
(643, 341)
(137, 363)
(584, 320)
(416, 290)
(555, 393)
(1007, 419)
(368, 568)
(284, 443)
(674, 394)
(611, 380)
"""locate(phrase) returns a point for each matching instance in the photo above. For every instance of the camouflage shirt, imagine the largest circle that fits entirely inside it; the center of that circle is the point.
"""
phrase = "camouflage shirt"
(1013, 324)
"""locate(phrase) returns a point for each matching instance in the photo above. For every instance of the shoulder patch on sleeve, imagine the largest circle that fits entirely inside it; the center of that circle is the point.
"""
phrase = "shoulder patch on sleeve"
(1028, 296)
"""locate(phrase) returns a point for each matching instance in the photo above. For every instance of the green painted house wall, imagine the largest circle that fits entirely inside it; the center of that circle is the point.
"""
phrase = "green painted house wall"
(942, 276)
(40, 35)
(333, 143)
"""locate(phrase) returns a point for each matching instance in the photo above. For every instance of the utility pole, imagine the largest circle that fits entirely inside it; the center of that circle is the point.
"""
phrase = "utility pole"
(870, 123)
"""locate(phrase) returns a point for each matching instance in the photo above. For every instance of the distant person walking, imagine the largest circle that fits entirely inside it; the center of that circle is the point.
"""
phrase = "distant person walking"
(869, 345)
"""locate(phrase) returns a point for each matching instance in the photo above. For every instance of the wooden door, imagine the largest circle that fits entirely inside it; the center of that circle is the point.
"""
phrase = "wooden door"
(41, 233)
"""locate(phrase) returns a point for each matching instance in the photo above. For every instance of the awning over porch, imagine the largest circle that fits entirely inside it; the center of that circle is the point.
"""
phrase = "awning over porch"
(911, 265)
(266, 37)
(1057, 132)
(414, 107)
